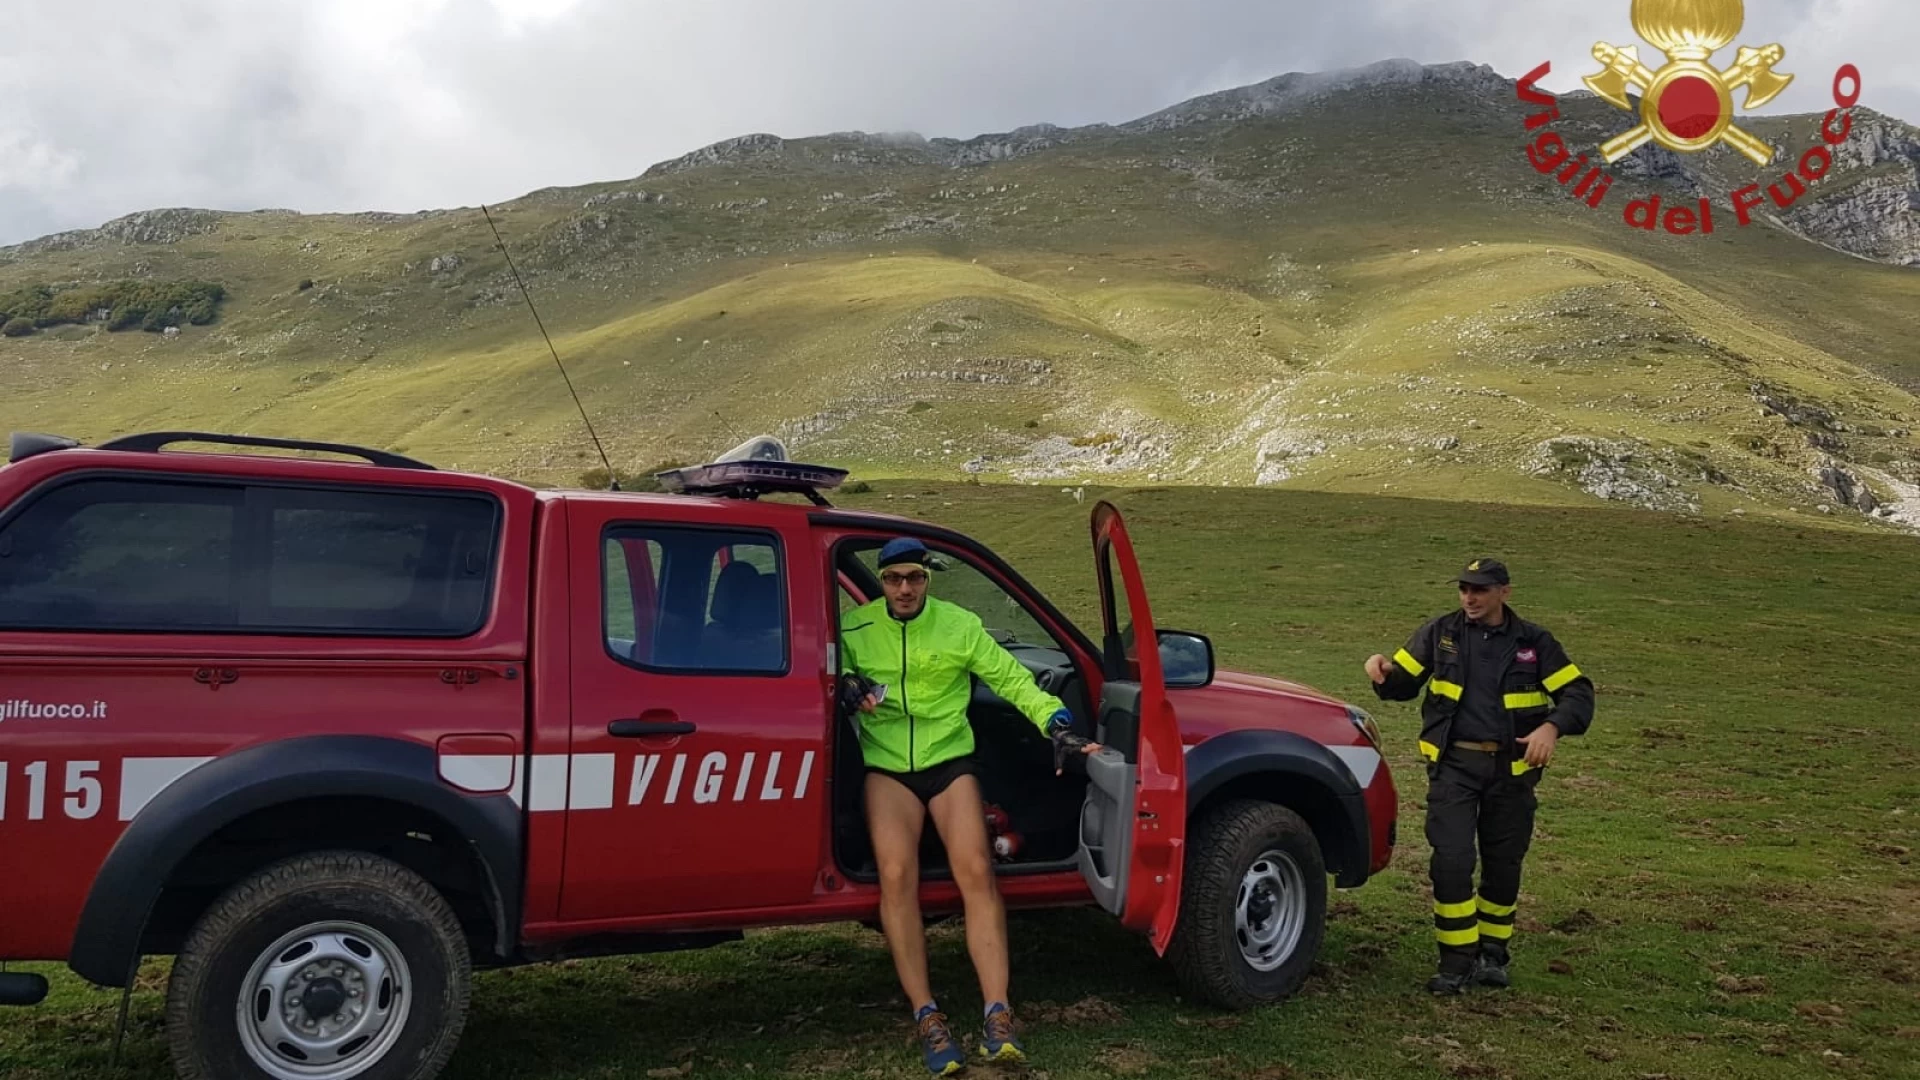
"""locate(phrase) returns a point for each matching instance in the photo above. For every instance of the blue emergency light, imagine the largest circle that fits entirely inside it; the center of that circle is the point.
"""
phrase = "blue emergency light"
(756, 467)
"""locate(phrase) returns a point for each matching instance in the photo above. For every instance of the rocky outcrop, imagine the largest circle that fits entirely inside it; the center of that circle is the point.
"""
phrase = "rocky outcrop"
(639, 195)
(1654, 163)
(1877, 218)
(1847, 489)
(989, 371)
(1801, 414)
(1868, 204)
(1876, 139)
(1280, 453)
(1903, 503)
(1129, 449)
(1294, 90)
(146, 227)
(743, 148)
(1612, 469)
(1013, 144)
(160, 226)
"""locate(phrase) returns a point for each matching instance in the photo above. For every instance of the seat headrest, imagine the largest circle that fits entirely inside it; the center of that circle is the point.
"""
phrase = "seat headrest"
(746, 599)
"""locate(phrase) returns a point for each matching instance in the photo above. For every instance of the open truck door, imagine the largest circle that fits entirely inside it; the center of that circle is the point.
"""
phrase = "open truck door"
(1133, 825)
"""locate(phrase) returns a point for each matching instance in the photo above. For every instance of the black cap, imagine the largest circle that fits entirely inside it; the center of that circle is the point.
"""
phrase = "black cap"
(1484, 572)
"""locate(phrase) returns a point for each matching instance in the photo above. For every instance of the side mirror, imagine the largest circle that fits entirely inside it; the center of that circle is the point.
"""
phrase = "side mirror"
(1186, 660)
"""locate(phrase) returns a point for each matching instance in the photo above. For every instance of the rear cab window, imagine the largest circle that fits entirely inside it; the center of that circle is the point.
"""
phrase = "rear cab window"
(183, 555)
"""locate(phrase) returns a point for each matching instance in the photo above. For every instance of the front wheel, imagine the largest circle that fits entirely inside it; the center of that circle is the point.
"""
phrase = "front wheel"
(1253, 906)
(330, 966)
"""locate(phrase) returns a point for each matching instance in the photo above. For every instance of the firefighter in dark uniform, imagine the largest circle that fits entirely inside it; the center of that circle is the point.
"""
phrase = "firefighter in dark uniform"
(1501, 692)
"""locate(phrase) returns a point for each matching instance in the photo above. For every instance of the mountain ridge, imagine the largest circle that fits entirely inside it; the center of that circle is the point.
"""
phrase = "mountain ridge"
(1269, 285)
(1887, 141)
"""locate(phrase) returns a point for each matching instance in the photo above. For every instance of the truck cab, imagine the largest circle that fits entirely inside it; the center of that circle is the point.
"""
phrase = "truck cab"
(498, 725)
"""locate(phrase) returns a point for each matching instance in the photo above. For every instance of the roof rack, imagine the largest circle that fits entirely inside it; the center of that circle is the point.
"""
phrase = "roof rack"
(756, 467)
(152, 441)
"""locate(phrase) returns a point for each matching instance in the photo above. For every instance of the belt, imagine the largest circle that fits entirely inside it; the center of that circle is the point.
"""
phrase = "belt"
(1488, 747)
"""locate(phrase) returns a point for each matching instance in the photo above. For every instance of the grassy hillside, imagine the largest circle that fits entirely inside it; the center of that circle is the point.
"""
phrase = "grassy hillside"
(1297, 298)
(1722, 883)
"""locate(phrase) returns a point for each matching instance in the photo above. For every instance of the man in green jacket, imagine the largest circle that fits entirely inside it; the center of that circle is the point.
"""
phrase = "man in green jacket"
(916, 653)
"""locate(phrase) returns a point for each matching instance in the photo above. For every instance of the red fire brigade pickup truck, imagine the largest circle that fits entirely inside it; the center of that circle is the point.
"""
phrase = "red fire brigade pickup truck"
(335, 734)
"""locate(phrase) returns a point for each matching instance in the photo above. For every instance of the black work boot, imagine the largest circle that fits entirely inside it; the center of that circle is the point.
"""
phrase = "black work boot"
(1491, 967)
(1445, 981)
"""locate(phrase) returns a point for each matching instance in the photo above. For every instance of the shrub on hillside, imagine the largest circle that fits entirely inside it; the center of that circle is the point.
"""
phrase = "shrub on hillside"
(122, 305)
(595, 479)
(17, 327)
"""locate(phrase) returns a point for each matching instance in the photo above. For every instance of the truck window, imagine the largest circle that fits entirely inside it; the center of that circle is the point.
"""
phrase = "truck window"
(371, 562)
(170, 555)
(114, 554)
(707, 601)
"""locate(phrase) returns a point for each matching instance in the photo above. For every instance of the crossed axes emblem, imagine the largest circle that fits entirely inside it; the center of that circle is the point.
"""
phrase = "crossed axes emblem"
(1701, 112)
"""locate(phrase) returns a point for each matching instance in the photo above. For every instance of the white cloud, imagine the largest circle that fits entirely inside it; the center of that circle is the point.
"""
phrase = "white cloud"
(115, 106)
(32, 165)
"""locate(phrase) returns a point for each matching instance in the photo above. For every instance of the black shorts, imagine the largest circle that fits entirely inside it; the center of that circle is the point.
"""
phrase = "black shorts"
(930, 782)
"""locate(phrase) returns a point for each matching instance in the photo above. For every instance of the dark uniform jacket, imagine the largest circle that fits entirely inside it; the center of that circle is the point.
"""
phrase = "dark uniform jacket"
(1538, 683)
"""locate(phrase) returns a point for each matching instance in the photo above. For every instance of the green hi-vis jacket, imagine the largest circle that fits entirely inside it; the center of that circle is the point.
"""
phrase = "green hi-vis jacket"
(925, 663)
(1538, 684)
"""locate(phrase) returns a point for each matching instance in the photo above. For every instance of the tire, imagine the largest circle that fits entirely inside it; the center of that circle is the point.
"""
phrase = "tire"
(1232, 843)
(397, 941)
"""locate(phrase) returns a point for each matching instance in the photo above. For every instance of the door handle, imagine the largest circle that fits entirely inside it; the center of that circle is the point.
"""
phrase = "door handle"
(649, 723)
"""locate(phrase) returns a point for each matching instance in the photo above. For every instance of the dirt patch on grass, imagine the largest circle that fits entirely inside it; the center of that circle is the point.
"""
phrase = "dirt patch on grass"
(1127, 1060)
(1738, 984)
(1578, 922)
(1086, 1012)
(1822, 1013)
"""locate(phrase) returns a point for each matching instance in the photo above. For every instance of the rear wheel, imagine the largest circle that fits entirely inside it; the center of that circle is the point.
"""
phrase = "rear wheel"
(1253, 906)
(329, 966)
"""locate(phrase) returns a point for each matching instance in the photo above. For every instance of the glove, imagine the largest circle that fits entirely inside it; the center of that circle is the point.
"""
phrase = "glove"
(1065, 743)
(852, 692)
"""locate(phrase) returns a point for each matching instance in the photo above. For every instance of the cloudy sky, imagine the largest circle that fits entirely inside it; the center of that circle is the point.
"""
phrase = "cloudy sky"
(112, 106)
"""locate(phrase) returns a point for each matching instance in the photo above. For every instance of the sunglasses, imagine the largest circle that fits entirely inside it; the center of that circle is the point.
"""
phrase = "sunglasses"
(912, 577)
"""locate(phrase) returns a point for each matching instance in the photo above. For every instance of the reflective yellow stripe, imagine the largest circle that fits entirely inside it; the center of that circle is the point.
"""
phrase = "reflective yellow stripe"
(1492, 908)
(1560, 678)
(1429, 751)
(1408, 663)
(1528, 700)
(1520, 767)
(1457, 937)
(1445, 689)
(1493, 930)
(1453, 911)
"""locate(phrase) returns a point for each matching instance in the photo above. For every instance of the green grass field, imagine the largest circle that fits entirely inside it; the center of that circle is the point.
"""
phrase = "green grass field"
(1721, 885)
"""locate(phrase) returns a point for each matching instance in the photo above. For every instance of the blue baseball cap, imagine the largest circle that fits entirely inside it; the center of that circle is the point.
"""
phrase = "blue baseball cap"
(904, 549)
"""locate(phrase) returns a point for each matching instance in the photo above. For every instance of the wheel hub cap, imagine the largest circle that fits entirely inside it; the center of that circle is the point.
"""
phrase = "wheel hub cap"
(1270, 910)
(323, 998)
(324, 1002)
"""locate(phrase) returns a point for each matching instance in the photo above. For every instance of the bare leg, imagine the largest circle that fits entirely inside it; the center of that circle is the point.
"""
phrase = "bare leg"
(894, 819)
(960, 817)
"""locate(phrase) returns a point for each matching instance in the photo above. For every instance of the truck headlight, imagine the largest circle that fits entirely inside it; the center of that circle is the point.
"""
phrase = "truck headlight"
(1365, 723)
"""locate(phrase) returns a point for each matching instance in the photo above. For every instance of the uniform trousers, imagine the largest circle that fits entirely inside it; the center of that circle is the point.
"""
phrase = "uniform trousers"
(1474, 797)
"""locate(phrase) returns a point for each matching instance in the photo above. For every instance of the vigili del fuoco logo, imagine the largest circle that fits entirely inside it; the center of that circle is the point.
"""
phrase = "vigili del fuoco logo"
(1686, 105)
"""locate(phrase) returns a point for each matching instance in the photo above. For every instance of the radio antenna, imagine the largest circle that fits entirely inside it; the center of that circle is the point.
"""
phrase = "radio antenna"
(613, 482)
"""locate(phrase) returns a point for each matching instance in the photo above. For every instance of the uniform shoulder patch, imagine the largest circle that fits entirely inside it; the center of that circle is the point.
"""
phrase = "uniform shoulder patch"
(1527, 656)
